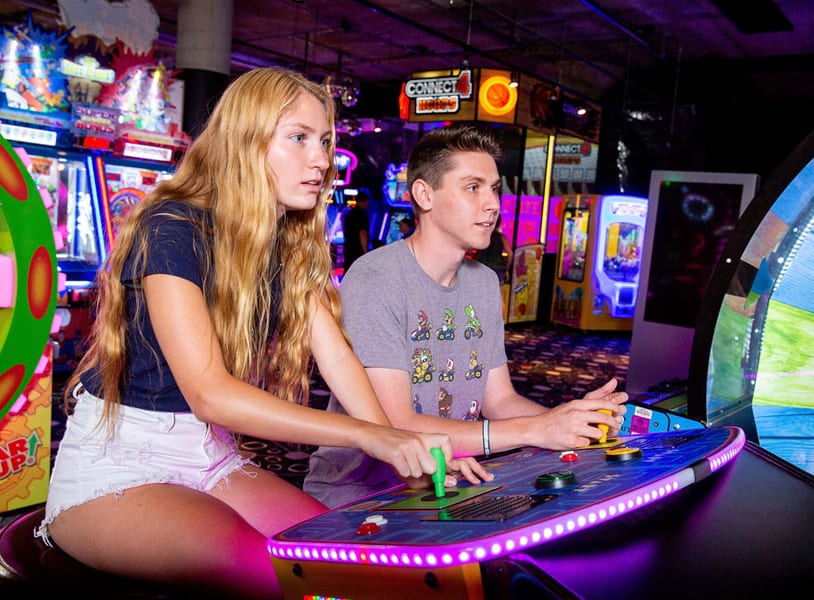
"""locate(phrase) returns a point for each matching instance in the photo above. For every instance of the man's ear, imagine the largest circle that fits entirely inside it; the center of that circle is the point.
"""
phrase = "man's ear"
(422, 194)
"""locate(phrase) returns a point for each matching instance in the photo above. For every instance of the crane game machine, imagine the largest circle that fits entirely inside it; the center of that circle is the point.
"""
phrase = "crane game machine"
(597, 276)
(397, 199)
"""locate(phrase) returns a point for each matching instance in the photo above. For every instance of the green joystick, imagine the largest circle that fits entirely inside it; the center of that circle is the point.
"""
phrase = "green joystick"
(440, 474)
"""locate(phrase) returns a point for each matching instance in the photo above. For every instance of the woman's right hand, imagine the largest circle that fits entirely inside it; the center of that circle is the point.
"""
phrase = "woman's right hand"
(406, 451)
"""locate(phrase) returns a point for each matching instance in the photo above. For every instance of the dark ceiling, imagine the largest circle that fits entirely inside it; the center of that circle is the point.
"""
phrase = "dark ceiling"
(587, 46)
(712, 84)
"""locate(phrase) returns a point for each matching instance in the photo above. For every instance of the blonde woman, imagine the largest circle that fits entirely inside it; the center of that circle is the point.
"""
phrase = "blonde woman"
(213, 306)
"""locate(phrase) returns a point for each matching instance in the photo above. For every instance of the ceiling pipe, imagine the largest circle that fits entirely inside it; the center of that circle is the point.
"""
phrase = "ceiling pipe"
(620, 26)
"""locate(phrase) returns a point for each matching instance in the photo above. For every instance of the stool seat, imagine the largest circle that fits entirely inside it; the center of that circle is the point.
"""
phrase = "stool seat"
(26, 562)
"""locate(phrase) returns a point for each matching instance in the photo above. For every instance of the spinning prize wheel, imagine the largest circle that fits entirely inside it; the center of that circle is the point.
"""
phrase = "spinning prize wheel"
(28, 281)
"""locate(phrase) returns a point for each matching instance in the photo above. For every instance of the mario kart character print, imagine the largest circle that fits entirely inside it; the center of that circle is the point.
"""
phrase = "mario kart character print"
(437, 346)
(472, 323)
(422, 332)
(447, 330)
(423, 367)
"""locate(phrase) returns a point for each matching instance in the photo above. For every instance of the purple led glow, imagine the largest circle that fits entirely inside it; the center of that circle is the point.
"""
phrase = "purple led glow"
(504, 543)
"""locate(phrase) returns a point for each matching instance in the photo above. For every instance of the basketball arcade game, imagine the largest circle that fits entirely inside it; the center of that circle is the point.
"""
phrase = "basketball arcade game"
(424, 545)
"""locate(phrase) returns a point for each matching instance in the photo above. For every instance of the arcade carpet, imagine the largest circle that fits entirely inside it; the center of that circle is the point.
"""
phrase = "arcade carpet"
(547, 365)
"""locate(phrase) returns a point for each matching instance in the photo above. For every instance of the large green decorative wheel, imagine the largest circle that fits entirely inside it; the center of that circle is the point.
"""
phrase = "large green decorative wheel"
(28, 278)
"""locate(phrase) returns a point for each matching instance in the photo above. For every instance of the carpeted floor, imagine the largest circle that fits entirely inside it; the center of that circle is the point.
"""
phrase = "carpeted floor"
(547, 366)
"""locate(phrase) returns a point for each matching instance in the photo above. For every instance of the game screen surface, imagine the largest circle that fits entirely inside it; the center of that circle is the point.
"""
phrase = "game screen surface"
(761, 352)
(392, 232)
(574, 240)
(692, 226)
(128, 185)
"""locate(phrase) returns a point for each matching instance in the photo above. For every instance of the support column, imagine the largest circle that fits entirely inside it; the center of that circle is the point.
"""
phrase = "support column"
(203, 54)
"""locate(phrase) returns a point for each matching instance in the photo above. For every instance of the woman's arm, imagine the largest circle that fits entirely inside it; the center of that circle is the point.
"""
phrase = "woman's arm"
(342, 370)
(187, 338)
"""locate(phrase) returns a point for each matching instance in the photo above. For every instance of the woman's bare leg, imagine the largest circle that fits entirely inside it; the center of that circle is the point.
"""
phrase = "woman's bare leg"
(172, 534)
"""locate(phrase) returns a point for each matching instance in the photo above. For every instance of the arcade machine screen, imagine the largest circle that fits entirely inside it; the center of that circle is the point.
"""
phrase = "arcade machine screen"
(397, 203)
(756, 327)
(621, 235)
(393, 233)
(692, 225)
(691, 216)
(126, 185)
(66, 181)
(574, 240)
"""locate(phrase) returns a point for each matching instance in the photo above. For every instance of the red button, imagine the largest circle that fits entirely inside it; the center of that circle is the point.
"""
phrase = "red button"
(368, 528)
(569, 456)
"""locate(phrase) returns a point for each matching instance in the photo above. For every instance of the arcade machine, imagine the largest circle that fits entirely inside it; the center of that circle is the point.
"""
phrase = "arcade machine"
(37, 116)
(28, 288)
(343, 196)
(147, 141)
(693, 216)
(660, 515)
(397, 203)
(752, 358)
(597, 276)
(523, 300)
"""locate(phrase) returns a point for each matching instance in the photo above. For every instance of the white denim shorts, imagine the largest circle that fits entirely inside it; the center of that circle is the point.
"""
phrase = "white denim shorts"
(144, 447)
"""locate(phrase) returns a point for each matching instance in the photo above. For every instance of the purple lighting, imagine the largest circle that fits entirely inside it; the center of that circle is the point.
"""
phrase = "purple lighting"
(508, 542)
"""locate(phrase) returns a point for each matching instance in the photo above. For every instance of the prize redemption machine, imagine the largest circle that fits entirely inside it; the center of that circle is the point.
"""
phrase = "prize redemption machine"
(397, 203)
(597, 277)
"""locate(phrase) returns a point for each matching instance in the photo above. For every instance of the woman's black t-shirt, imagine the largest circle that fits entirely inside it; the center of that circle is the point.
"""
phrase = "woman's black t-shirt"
(176, 247)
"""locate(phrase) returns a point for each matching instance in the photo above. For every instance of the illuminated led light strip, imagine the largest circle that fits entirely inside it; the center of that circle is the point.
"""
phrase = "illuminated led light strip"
(506, 543)
(101, 217)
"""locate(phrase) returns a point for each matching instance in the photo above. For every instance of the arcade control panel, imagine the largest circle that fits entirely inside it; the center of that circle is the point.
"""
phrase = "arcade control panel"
(433, 545)
(662, 407)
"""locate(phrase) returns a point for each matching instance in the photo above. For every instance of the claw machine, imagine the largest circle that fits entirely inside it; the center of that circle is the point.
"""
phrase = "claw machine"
(599, 260)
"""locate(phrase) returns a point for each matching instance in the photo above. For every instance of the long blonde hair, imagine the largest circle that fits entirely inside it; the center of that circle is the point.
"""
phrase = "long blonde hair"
(225, 174)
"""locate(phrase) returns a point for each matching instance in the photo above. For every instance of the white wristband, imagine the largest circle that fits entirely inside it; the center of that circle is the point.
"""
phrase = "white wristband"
(486, 449)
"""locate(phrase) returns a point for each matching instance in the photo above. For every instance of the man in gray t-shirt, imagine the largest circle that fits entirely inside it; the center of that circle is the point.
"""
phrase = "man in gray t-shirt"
(427, 324)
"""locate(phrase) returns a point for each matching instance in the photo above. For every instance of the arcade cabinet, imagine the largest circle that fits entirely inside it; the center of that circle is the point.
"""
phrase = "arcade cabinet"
(100, 132)
(120, 184)
(752, 357)
(397, 204)
(527, 305)
(597, 276)
(667, 515)
(690, 218)
(28, 289)
(342, 197)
